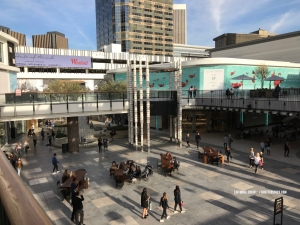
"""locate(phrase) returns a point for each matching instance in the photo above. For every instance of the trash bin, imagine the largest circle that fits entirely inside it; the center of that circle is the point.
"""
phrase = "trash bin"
(65, 148)
(86, 183)
(205, 159)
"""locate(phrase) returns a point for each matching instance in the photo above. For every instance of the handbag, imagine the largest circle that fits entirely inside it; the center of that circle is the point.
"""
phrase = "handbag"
(260, 163)
(181, 203)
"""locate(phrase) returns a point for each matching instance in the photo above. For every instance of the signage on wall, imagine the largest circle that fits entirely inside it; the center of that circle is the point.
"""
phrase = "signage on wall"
(213, 79)
(42, 60)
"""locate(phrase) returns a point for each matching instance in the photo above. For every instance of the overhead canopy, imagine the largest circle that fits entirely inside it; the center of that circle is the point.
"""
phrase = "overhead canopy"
(274, 78)
(165, 67)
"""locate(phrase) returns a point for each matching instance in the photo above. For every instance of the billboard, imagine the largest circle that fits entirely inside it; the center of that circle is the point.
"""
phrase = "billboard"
(213, 79)
(42, 60)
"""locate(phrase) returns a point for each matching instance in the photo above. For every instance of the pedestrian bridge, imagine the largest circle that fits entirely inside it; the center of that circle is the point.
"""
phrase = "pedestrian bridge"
(41, 105)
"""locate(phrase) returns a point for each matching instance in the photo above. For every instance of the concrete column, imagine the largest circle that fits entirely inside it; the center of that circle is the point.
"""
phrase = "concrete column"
(175, 129)
(128, 97)
(57, 70)
(73, 134)
(141, 103)
(25, 69)
(135, 103)
(86, 70)
(179, 99)
(148, 103)
(131, 106)
(266, 119)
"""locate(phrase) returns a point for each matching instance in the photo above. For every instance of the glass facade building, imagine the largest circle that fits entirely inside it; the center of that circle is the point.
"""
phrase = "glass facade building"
(141, 27)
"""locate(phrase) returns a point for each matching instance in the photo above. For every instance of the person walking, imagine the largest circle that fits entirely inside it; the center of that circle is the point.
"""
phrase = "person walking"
(34, 139)
(257, 161)
(54, 163)
(26, 146)
(286, 149)
(145, 203)
(225, 141)
(194, 92)
(53, 134)
(262, 146)
(164, 205)
(191, 89)
(49, 139)
(230, 140)
(198, 139)
(100, 144)
(187, 139)
(105, 142)
(19, 148)
(177, 199)
(78, 208)
(261, 154)
(228, 153)
(12, 159)
(19, 166)
(251, 157)
(268, 146)
(43, 133)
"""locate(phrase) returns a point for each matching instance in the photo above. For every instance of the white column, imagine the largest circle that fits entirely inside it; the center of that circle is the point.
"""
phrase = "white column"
(175, 129)
(170, 89)
(135, 103)
(25, 69)
(57, 70)
(179, 99)
(128, 97)
(141, 104)
(148, 103)
(131, 105)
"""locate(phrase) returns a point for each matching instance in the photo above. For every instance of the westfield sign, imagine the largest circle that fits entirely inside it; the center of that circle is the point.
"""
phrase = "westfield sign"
(77, 62)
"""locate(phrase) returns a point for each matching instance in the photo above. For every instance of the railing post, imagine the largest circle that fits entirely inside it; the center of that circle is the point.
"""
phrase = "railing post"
(110, 100)
(82, 103)
(33, 104)
(51, 103)
(123, 101)
(97, 103)
(67, 103)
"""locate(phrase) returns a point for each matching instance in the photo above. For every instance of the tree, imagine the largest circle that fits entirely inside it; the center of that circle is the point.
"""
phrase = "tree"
(64, 86)
(261, 73)
(112, 86)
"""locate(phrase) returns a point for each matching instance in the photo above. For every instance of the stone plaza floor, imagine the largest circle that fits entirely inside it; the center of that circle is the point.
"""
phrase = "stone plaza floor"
(229, 193)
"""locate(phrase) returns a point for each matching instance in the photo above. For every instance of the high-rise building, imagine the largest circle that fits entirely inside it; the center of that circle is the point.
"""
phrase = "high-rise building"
(52, 39)
(20, 37)
(180, 27)
(141, 27)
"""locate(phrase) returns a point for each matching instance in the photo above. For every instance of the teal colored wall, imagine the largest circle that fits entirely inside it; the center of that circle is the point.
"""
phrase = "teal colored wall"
(194, 76)
(13, 81)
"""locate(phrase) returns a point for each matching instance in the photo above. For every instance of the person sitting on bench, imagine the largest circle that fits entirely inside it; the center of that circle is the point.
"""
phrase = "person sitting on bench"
(176, 163)
(112, 133)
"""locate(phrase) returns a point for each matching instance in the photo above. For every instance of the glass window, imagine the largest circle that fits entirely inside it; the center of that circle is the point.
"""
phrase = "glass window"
(1, 52)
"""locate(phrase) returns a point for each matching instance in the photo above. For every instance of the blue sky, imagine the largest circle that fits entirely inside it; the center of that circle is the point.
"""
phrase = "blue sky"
(207, 19)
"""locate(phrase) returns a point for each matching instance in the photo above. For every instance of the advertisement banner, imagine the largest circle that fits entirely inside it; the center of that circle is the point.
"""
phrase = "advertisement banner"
(42, 60)
(213, 79)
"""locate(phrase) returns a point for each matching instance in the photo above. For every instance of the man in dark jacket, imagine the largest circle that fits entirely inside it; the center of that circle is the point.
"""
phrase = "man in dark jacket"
(54, 163)
(78, 208)
(198, 139)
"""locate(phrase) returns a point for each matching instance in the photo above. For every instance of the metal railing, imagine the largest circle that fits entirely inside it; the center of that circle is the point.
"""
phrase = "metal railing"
(17, 204)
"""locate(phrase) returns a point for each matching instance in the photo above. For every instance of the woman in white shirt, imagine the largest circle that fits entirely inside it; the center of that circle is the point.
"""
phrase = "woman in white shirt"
(251, 157)
(257, 160)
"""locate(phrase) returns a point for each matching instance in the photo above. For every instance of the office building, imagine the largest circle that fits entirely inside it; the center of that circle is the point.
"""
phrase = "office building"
(283, 47)
(52, 39)
(180, 24)
(20, 37)
(235, 38)
(141, 27)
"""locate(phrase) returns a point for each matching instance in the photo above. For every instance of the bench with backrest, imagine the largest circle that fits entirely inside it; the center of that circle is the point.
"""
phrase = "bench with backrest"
(166, 164)
(213, 156)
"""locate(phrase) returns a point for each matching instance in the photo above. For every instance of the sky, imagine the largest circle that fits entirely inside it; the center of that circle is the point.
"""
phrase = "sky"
(206, 19)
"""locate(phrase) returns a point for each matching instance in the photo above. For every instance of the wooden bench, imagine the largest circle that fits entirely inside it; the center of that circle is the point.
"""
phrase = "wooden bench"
(166, 164)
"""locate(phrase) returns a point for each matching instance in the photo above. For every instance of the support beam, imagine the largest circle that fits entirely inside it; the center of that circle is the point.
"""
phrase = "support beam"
(148, 103)
(131, 104)
(179, 99)
(135, 103)
(128, 97)
(141, 104)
